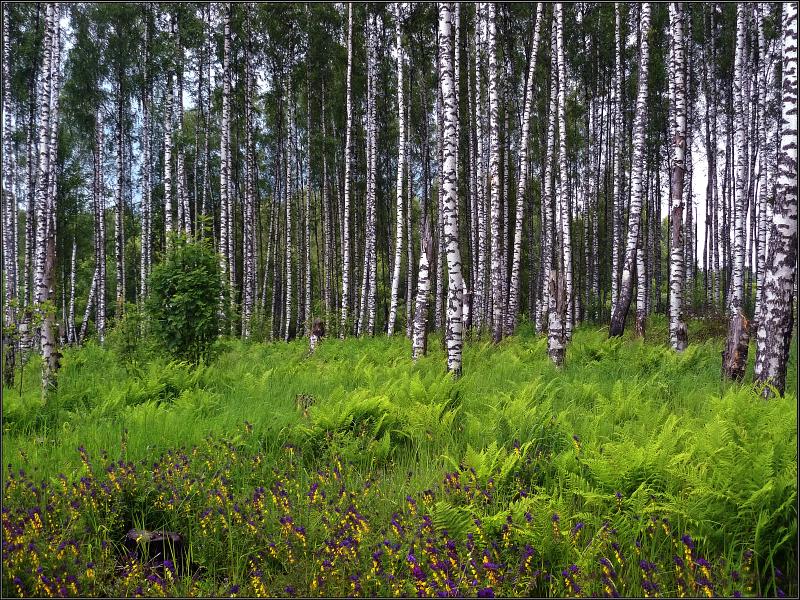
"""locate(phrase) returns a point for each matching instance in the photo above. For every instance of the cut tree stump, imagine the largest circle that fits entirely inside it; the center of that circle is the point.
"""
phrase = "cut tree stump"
(156, 545)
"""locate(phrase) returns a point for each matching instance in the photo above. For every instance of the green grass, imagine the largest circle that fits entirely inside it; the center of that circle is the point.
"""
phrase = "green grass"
(626, 433)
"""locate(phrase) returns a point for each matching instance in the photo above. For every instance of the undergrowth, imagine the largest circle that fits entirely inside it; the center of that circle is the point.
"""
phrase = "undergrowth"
(629, 440)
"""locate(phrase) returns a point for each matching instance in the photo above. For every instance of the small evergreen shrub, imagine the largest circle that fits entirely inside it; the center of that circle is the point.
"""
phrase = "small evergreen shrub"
(184, 307)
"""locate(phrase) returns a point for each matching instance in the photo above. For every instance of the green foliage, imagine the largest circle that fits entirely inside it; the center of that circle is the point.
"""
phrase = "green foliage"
(626, 433)
(129, 337)
(184, 305)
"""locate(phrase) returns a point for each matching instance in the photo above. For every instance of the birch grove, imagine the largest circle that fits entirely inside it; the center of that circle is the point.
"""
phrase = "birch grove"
(463, 171)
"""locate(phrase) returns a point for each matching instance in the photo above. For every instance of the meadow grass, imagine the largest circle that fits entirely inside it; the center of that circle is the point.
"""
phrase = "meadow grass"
(631, 453)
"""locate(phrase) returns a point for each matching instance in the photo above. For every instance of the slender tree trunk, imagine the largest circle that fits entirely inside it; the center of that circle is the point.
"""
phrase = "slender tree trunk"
(288, 194)
(522, 179)
(420, 339)
(249, 226)
(307, 220)
(225, 166)
(99, 230)
(9, 212)
(677, 325)
(409, 214)
(549, 279)
(455, 284)
(763, 188)
(494, 170)
(775, 329)
(119, 242)
(626, 283)
(168, 125)
(347, 158)
(616, 210)
(45, 198)
(146, 238)
(401, 155)
(734, 358)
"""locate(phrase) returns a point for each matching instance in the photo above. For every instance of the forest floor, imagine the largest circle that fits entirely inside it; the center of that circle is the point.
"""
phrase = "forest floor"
(632, 471)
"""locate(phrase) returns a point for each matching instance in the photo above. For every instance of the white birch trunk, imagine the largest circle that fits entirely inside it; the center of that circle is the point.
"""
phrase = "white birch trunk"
(775, 330)
(522, 180)
(494, 173)
(9, 210)
(626, 282)
(168, 111)
(401, 155)
(288, 193)
(224, 174)
(100, 230)
(343, 326)
(450, 214)
(420, 337)
(616, 209)
(735, 355)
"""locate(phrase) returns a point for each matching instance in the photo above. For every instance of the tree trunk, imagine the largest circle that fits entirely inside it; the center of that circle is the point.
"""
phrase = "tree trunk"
(347, 158)
(775, 330)
(401, 155)
(522, 180)
(9, 213)
(249, 226)
(45, 196)
(733, 363)
(420, 339)
(455, 282)
(677, 326)
(225, 166)
(146, 238)
(119, 242)
(548, 216)
(494, 172)
(626, 282)
(616, 198)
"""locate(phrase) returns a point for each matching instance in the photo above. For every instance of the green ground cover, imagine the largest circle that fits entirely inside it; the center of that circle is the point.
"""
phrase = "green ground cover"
(634, 471)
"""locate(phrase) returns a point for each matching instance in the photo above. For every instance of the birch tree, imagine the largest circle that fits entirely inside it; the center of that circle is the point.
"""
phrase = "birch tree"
(9, 211)
(343, 325)
(401, 155)
(522, 179)
(616, 198)
(775, 328)
(734, 358)
(249, 233)
(455, 282)
(494, 173)
(224, 170)
(147, 192)
(677, 327)
(419, 343)
(634, 218)
(44, 201)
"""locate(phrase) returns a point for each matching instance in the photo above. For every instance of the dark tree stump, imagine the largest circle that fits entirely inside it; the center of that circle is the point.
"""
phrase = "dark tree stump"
(734, 357)
(156, 546)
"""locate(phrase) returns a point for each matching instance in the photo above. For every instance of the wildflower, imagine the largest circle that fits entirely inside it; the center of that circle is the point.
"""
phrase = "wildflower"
(704, 567)
(575, 531)
(486, 592)
(412, 505)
